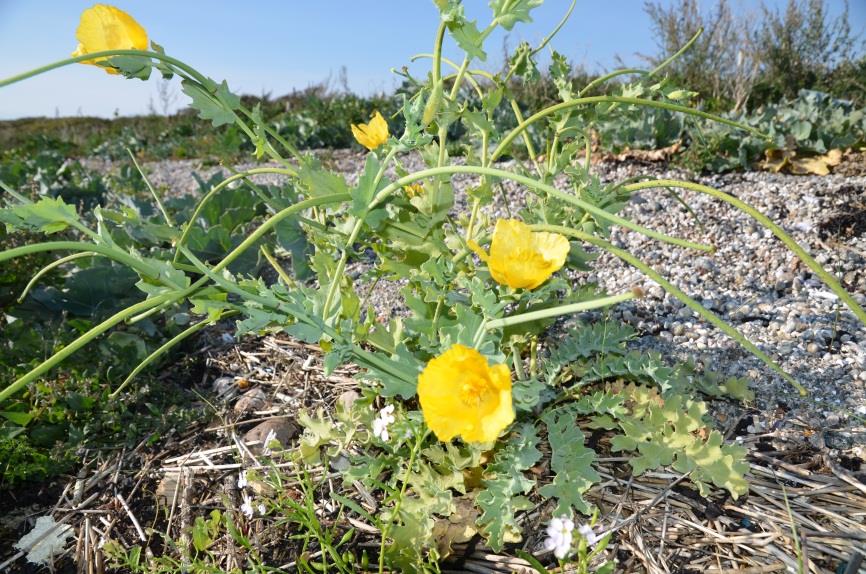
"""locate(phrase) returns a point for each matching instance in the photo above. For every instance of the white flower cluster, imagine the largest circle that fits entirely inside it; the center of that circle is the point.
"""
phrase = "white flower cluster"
(247, 505)
(560, 537)
(381, 423)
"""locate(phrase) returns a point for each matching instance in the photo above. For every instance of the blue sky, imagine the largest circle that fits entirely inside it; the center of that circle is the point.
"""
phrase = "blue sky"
(276, 45)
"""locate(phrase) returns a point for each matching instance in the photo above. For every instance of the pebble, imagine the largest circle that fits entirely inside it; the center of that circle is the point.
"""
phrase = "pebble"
(252, 400)
(284, 430)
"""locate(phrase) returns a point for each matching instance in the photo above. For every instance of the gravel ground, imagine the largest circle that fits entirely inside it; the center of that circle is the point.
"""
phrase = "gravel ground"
(751, 280)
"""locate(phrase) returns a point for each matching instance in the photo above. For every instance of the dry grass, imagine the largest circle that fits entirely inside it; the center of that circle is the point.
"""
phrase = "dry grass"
(804, 512)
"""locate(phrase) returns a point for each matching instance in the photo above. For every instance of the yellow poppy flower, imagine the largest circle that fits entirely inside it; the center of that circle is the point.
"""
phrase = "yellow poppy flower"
(414, 190)
(461, 395)
(104, 27)
(371, 135)
(520, 257)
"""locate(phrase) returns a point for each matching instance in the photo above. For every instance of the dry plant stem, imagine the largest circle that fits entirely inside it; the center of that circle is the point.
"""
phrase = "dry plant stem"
(826, 277)
(708, 315)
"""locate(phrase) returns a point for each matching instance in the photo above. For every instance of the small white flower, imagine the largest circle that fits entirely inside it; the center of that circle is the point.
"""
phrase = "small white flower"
(380, 429)
(262, 510)
(559, 536)
(380, 423)
(247, 506)
(589, 534)
(271, 437)
(242, 479)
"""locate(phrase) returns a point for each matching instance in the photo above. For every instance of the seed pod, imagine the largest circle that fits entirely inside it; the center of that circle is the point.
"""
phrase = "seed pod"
(432, 105)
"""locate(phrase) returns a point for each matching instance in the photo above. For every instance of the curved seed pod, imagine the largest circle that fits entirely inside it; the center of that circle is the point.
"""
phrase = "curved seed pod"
(433, 102)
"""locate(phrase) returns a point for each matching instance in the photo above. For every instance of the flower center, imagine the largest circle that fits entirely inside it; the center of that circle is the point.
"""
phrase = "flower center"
(474, 391)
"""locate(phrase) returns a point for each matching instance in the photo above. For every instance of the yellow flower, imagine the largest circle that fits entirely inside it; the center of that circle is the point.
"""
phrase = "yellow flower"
(104, 27)
(520, 257)
(461, 394)
(414, 190)
(371, 135)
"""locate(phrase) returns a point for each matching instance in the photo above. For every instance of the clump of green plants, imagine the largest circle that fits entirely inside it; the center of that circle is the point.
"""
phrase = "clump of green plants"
(462, 396)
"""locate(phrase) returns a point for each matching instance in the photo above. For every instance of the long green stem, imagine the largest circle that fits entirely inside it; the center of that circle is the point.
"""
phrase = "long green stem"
(151, 189)
(415, 449)
(75, 345)
(789, 242)
(537, 186)
(154, 302)
(120, 256)
(678, 53)
(527, 139)
(165, 347)
(344, 257)
(558, 311)
(53, 265)
(188, 72)
(708, 315)
(105, 54)
(187, 228)
(607, 77)
(506, 141)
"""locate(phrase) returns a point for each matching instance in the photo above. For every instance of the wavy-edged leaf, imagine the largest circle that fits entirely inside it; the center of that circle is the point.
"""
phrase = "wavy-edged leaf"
(504, 486)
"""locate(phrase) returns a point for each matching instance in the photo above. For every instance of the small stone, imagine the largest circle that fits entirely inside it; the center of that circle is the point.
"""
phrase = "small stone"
(813, 348)
(678, 330)
(666, 336)
(284, 430)
(832, 420)
(684, 313)
(252, 400)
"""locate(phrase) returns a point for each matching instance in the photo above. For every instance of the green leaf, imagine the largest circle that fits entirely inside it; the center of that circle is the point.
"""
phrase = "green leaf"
(668, 433)
(504, 483)
(48, 215)
(317, 181)
(468, 37)
(509, 12)
(132, 66)
(19, 418)
(365, 191)
(216, 106)
(570, 460)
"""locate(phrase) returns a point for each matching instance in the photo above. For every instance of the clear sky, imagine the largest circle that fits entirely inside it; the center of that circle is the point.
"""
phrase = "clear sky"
(273, 46)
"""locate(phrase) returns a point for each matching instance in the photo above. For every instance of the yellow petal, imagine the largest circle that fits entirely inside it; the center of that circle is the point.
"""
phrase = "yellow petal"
(461, 395)
(523, 259)
(103, 27)
(371, 135)
(553, 247)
